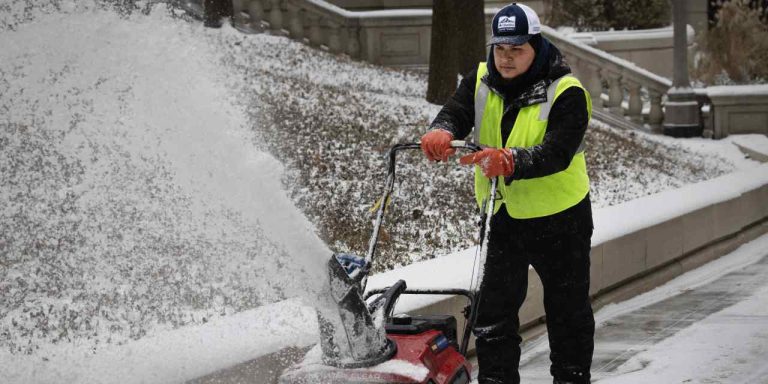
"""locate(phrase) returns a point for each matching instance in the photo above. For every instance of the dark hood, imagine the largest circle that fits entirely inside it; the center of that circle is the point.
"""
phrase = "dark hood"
(549, 65)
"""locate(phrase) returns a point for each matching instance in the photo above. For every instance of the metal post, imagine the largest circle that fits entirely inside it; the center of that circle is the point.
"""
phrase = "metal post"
(681, 116)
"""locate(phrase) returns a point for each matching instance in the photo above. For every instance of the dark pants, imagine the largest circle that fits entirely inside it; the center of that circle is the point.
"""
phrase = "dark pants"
(558, 248)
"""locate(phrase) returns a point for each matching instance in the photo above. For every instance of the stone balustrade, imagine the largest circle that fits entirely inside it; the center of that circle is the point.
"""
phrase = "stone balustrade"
(316, 23)
(631, 96)
(623, 94)
(651, 49)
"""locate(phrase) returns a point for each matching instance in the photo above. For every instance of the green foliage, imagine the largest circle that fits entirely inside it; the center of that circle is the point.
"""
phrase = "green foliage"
(596, 15)
(735, 49)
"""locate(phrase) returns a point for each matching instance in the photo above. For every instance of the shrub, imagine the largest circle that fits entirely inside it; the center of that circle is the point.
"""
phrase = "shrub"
(735, 49)
(596, 15)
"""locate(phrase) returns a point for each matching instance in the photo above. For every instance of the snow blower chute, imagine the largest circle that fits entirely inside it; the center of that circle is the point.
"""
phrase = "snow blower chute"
(370, 345)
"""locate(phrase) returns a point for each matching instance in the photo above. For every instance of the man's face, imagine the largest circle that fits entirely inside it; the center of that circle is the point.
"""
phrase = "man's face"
(513, 60)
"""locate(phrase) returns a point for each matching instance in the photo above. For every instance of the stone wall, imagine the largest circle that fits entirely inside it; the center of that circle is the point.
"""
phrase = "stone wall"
(738, 109)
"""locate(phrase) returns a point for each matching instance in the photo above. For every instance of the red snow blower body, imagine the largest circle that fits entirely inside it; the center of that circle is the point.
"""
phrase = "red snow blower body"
(400, 349)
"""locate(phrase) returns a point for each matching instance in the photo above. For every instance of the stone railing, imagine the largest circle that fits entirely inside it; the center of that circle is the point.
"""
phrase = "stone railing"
(623, 94)
(651, 49)
(317, 23)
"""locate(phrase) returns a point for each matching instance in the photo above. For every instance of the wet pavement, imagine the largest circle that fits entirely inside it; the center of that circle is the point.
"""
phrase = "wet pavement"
(622, 337)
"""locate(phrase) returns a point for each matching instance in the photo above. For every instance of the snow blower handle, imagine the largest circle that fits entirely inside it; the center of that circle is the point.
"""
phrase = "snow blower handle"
(389, 187)
(461, 144)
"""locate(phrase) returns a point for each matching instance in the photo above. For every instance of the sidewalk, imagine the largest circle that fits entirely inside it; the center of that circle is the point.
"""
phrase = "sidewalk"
(709, 325)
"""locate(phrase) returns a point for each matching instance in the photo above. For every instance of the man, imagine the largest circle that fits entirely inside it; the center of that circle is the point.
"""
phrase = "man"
(531, 115)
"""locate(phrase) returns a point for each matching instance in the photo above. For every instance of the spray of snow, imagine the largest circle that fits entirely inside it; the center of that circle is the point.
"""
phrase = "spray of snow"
(134, 200)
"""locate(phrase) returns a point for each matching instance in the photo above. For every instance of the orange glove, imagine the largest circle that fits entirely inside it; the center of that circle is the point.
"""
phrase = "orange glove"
(436, 145)
(492, 161)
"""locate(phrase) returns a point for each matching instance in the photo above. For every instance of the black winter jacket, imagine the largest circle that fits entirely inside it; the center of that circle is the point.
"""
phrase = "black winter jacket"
(567, 123)
(566, 126)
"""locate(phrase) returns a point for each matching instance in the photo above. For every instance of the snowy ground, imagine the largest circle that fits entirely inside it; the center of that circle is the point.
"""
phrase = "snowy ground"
(140, 211)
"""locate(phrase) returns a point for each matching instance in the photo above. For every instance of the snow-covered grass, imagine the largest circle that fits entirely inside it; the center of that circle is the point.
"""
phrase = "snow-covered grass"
(137, 197)
(132, 198)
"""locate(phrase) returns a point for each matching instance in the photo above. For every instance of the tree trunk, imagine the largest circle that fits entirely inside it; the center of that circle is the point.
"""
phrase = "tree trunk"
(215, 11)
(470, 25)
(457, 44)
(443, 53)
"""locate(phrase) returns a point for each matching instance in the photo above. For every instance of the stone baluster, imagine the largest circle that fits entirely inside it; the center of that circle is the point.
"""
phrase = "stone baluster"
(334, 37)
(353, 44)
(656, 115)
(635, 111)
(344, 32)
(615, 93)
(577, 67)
(295, 24)
(593, 83)
(275, 15)
(238, 7)
(256, 10)
(315, 35)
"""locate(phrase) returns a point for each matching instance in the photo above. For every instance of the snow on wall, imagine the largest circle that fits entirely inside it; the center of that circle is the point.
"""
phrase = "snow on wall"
(616, 221)
(737, 90)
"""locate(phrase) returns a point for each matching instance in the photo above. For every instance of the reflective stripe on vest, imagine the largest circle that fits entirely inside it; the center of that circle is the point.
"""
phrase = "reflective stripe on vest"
(528, 198)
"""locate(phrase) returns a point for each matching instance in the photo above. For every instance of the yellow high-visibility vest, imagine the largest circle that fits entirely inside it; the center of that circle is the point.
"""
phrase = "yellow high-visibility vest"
(528, 198)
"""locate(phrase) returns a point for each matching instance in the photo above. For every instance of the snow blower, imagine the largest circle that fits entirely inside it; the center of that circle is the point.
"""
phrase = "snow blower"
(371, 345)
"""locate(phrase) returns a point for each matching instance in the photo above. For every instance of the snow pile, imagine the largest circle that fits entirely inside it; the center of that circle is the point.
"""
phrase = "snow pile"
(133, 199)
(753, 145)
